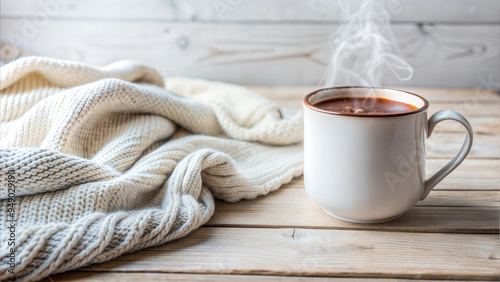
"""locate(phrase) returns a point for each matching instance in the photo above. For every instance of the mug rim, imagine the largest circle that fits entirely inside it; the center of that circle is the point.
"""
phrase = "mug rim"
(305, 100)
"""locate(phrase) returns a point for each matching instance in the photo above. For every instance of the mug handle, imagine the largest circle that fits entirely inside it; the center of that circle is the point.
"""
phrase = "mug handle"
(457, 160)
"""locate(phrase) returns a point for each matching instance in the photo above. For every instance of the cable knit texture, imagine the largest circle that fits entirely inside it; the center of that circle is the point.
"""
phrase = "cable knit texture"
(109, 160)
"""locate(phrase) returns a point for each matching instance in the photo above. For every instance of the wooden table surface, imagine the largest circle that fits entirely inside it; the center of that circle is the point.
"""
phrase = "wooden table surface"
(453, 234)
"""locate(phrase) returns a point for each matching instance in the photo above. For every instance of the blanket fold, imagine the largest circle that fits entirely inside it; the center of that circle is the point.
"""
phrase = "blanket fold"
(97, 162)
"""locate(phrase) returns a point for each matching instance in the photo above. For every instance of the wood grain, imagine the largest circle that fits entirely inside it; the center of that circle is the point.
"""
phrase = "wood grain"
(437, 198)
(310, 252)
(471, 174)
(482, 125)
(84, 276)
(450, 183)
(450, 212)
(447, 145)
(281, 53)
(462, 199)
(463, 11)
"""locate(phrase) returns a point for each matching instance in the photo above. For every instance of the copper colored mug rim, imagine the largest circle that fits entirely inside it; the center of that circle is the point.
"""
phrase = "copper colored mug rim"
(312, 107)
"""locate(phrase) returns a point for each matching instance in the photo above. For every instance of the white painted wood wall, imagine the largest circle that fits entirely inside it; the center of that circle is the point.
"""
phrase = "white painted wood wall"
(451, 43)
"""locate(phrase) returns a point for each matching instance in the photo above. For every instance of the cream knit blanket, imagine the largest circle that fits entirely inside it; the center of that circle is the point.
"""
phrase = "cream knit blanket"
(97, 162)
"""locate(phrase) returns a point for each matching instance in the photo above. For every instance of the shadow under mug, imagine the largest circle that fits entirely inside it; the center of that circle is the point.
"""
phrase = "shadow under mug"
(366, 168)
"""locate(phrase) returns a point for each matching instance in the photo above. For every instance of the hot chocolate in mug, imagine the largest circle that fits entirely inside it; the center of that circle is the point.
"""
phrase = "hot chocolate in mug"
(367, 167)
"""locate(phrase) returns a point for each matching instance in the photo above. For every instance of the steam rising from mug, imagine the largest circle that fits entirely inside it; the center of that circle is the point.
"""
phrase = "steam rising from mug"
(363, 47)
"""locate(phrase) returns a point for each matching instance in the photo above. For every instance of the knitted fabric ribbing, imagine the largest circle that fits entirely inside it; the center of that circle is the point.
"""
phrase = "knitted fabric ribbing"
(111, 160)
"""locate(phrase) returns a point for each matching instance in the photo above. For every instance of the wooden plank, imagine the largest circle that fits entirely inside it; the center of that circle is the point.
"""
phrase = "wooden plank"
(259, 54)
(450, 183)
(447, 145)
(443, 211)
(470, 168)
(462, 199)
(472, 174)
(480, 125)
(310, 252)
(450, 212)
(469, 11)
(151, 276)
(459, 183)
(419, 219)
(437, 198)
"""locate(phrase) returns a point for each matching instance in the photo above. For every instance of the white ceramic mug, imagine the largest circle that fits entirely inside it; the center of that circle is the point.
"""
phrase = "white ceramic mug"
(366, 169)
